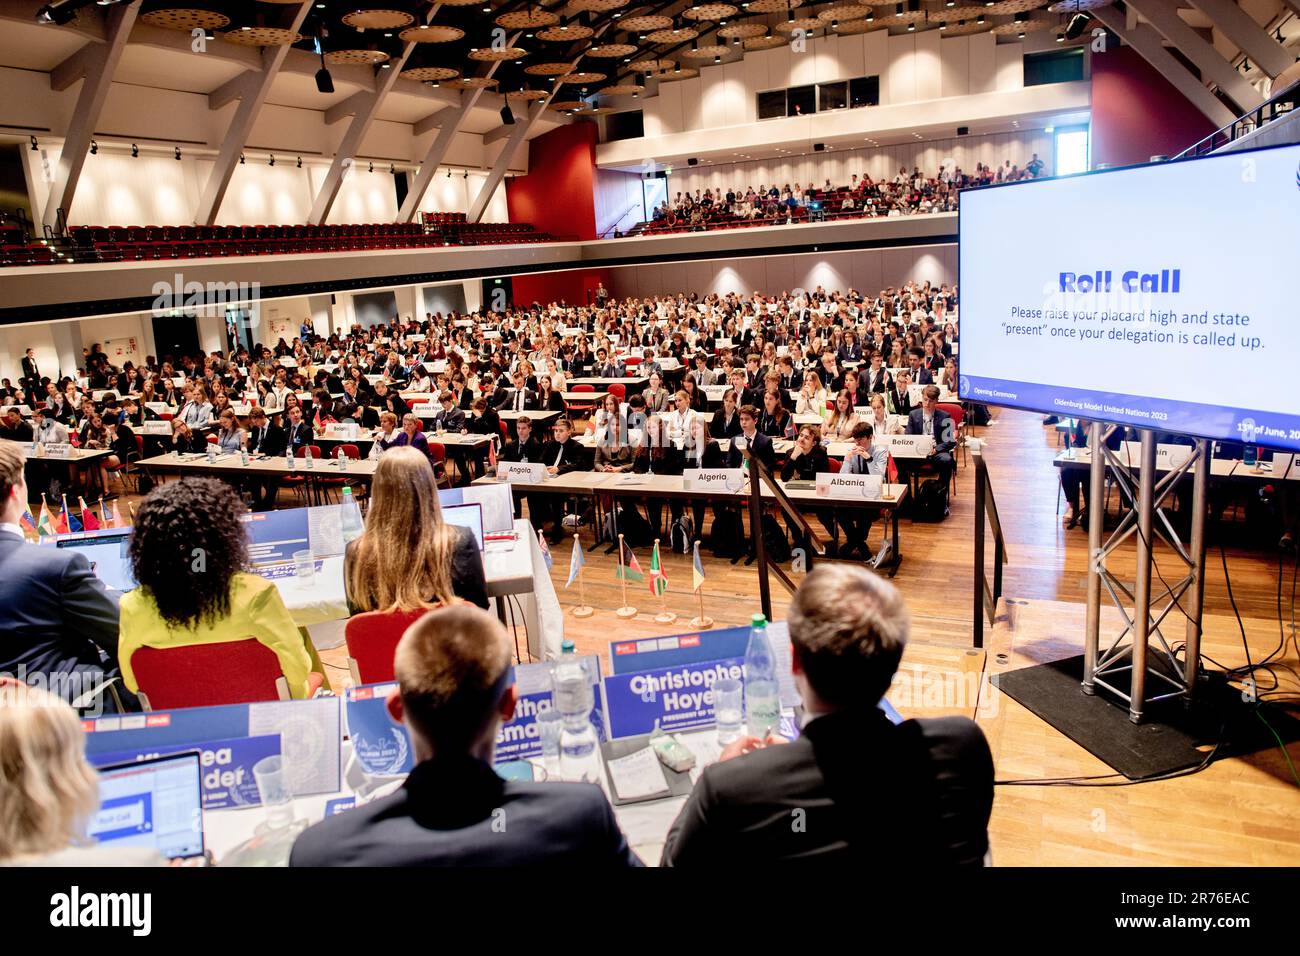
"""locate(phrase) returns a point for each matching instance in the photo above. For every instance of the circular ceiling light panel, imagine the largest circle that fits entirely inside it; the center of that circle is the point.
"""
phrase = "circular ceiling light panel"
(742, 30)
(471, 83)
(549, 69)
(706, 52)
(710, 11)
(424, 74)
(764, 43)
(261, 36)
(489, 54)
(611, 50)
(378, 19)
(583, 79)
(773, 6)
(644, 24)
(185, 18)
(565, 32)
(531, 19)
(431, 33)
(672, 35)
(371, 57)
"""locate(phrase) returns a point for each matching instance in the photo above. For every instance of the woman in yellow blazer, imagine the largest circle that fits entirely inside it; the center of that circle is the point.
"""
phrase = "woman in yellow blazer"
(188, 553)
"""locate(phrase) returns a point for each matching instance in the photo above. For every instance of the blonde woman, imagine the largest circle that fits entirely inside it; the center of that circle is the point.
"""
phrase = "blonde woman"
(408, 557)
(50, 790)
(879, 417)
(843, 419)
(812, 397)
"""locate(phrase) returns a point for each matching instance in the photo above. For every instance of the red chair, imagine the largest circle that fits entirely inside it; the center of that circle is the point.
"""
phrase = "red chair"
(631, 362)
(958, 416)
(438, 458)
(585, 408)
(372, 640)
(618, 391)
(207, 675)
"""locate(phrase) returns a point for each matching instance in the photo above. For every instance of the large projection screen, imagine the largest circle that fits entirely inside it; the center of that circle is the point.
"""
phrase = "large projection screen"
(1161, 296)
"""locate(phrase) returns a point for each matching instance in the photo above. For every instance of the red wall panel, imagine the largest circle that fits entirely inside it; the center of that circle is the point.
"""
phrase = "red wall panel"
(558, 196)
(1136, 112)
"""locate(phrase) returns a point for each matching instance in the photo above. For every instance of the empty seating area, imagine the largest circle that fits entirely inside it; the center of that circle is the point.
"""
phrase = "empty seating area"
(85, 244)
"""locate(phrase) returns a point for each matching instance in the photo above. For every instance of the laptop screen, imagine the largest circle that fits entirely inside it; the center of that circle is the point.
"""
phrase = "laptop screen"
(466, 516)
(107, 553)
(498, 506)
(152, 803)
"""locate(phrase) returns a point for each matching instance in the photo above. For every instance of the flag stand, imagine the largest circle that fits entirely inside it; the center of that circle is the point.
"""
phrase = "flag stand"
(583, 609)
(664, 616)
(700, 623)
(659, 584)
(626, 610)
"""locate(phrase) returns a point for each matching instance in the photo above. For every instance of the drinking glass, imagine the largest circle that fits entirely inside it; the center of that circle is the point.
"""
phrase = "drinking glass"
(728, 711)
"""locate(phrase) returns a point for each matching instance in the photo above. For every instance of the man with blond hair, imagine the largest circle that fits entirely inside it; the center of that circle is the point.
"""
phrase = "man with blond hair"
(854, 787)
(455, 687)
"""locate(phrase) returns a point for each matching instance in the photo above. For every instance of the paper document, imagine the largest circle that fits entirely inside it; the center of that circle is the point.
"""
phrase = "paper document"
(638, 775)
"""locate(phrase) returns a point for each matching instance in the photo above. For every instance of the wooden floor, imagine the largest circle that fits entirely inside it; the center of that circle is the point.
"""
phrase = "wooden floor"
(1237, 812)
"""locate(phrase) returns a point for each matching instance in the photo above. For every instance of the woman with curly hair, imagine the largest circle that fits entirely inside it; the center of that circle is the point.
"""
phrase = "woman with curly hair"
(188, 555)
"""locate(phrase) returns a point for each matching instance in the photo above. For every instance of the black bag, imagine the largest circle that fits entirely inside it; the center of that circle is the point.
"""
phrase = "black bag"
(728, 535)
(775, 543)
(931, 503)
(636, 530)
(682, 534)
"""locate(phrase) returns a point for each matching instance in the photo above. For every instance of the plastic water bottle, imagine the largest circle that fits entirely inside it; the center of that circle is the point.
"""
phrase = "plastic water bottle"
(352, 525)
(243, 457)
(306, 455)
(571, 696)
(762, 699)
(288, 458)
(1249, 455)
(212, 452)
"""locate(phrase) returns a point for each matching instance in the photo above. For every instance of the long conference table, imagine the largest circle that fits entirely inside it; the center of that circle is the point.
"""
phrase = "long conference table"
(609, 485)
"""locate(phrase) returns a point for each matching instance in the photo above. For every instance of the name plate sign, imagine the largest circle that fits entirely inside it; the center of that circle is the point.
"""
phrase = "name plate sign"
(58, 450)
(729, 481)
(840, 485)
(521, 472)
(910, 446)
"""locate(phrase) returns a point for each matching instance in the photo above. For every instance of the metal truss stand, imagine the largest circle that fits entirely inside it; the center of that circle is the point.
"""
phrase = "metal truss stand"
(1124, 668)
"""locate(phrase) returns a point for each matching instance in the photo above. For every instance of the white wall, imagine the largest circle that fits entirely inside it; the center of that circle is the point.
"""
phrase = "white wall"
(839, 165)
(913, 67)
(620, 200)
(866, 271)
(155, 189)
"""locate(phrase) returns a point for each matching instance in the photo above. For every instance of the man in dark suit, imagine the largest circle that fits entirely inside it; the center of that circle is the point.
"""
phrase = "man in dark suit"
(297, 432)
(268, 440)
(561, 455)
(58, 624)
(450, 418)
(920, 374)
(455, 686)
(31, 373)
(931, 420)
(854, 788)
(876, 377)
(760, 445)
(517, 399)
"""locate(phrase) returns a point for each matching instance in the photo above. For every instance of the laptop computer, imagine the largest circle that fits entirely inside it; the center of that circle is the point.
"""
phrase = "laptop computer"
(107, 551)
(154, 803)
(466, 516)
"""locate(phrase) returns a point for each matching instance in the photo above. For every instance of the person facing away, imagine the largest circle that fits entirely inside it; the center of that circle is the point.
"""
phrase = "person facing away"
(455, 686)
(58, 623)
(188, 552)
(862, 789)
(408, 557)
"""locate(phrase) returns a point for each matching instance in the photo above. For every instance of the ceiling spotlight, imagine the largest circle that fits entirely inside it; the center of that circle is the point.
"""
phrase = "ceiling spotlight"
(324, 82)
(135, 150)
(449, 172)
(1078, 23)
(385, 66)
(300, 162)
(392, 169)
(34, 146)
(57, 13)
(717, 58)
(1049, 129)
(272, 160)
(507, 115)
(178, 154)
(372, 167)
(911, 28)
(467, 173)
(241, 159)
(94, 147)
